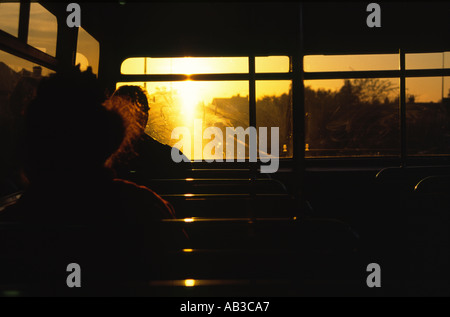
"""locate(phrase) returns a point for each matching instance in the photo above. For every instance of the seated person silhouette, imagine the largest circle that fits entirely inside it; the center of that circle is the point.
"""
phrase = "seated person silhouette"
(81, 213)
(139, 153)
(11, 134)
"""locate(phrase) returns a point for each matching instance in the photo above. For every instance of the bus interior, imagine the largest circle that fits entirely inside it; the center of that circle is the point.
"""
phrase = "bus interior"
(363, 118)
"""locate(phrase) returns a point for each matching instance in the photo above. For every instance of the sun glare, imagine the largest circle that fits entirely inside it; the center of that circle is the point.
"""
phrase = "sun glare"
(189, 66)
(82, 60)
(189, 98)
(189, 282)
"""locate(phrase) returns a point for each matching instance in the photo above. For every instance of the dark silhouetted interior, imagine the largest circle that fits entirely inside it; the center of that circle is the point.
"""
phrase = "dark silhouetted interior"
(310, 229)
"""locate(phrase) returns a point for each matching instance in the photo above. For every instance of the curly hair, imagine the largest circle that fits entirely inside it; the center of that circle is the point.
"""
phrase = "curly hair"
(132, 104)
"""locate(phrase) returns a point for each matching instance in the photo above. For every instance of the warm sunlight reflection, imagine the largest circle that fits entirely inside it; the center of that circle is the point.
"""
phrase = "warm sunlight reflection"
(198, 105)
(209, 103)
(432, 90)
(82, 60)
(189, 282)
(18, 65)
(185, 65)
(428, 89)
(427, 60)
(197, 65)
(189, 99)
(331, 63)
(133, 66)
(203, 65)
(9, 18)
(89, 48)
(272, 64)
(42, 29)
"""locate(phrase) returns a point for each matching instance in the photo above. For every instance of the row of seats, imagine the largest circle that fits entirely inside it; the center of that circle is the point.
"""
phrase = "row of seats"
(247, 237)
(416, 201)
(252, 232)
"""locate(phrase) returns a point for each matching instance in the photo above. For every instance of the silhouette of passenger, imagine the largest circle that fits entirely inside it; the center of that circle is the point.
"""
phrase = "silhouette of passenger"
(12, 124)
(68, 137)
(140, 153)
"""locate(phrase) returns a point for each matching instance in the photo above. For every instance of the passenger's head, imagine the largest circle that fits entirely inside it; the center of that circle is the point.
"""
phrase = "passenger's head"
(133, 104)
(67, 127)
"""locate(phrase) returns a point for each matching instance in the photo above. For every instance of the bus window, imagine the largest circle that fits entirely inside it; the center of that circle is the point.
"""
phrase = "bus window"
(428, 115)
(352, 117)
(215, 103)
(19, 79)
(274, 109)
(9, 18)
(193, 104)
(185, 65)
(271, 64)
(330, 63)
(43, 29)
(14, 67)
(88, 51)
(428, 60)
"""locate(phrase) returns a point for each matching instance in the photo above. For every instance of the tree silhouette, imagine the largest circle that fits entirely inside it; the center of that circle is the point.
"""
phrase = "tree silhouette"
(360, 117)
(373, 90)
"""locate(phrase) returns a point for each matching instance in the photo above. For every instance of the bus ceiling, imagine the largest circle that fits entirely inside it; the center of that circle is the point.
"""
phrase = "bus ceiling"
(233, 28)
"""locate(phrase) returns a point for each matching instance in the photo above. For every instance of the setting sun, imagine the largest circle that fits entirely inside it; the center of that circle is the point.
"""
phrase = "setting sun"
(189, 99)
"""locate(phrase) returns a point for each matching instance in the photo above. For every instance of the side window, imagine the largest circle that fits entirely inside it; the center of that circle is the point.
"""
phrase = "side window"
(9, 18)
(272, 64)
(12, 70)
(367, 62)
(43, 28)
(215, 93)
(88, 51)
(428, 60)
(354, 116)
(185, 65)
(360, 116)
(274, 102)
(195, 104)
(19, 79)
(427, 106)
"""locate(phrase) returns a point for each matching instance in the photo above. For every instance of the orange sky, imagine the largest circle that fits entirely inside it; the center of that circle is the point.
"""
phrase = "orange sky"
(425, 89)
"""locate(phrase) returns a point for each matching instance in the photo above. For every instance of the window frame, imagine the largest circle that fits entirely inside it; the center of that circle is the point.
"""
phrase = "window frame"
(19, 47)
(401, 74)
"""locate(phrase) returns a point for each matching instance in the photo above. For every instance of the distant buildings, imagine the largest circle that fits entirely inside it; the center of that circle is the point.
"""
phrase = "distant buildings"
(9, 78)
(235, 103)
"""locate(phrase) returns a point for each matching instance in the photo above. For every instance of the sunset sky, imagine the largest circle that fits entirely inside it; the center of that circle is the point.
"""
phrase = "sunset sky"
(425, 89)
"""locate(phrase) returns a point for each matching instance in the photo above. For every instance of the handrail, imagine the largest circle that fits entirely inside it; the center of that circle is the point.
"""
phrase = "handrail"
(442, 179)
(9, 200)
(242, 220)
(212, 196)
